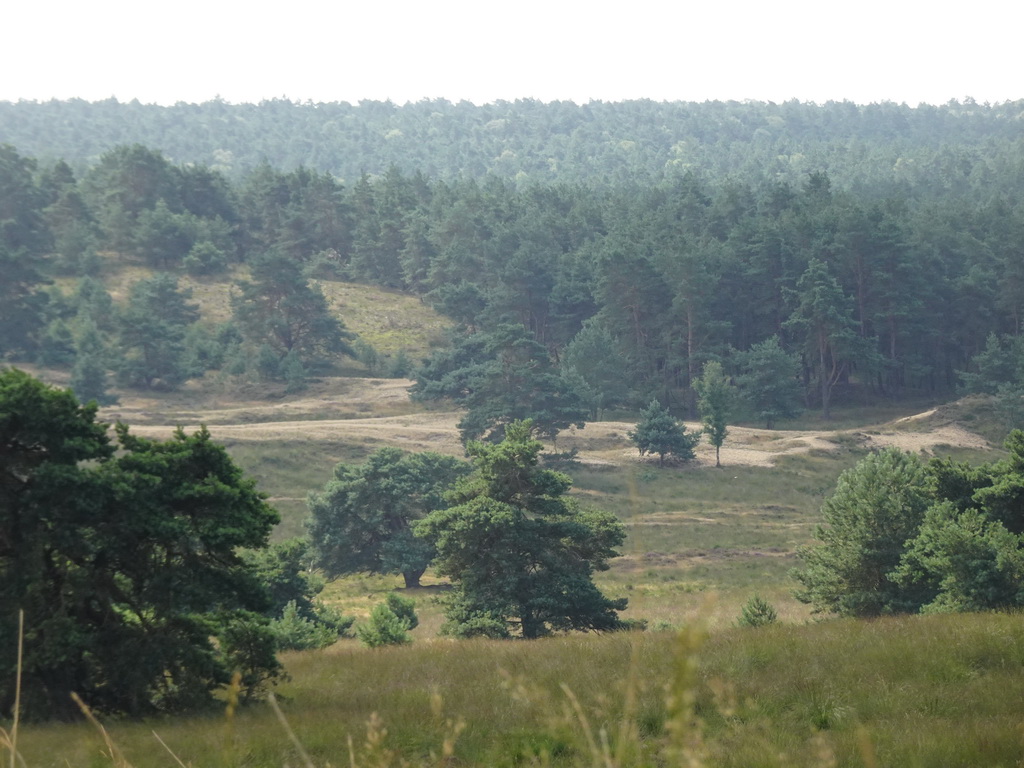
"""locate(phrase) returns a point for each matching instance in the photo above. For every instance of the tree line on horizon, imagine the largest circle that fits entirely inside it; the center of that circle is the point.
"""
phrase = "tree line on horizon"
(880, 149)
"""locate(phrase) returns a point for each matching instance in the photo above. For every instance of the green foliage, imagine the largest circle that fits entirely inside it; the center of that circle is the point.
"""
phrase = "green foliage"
(126, 555)
(823, 317)
(870, 520)
(362, 520)
(757, 612)
(404, 608)
(400, 366)
(622, 288)
(501, 376)
(57, 345)
(248, 646)
(152, 334)
(969, 552)
(89, 374)
(22, 303)
(367, 355)
(284, 571)
(389, 623)
(715, 404)
(164, 238)
(998, 370)
(294, 373)
(521, 554)
(298, 621)
(967, 560)
(294, 632)
(593, 355)
(204, 258)
(22, 226)
(902, 538)
(769, 381)
(283, 312)
(661, 433)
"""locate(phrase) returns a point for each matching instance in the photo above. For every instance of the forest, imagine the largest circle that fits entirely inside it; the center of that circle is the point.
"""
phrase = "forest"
(753, 265)
(817, 252)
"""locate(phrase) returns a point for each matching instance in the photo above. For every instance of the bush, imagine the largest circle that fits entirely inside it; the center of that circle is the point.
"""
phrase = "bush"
(404, 608)
(758, 612)
(389, 623)
(293, 632)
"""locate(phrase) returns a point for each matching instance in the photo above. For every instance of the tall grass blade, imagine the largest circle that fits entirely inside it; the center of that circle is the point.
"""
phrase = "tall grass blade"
(115, 754)
(588, 731)
(288, 729)
(169, 750)
(17, 689)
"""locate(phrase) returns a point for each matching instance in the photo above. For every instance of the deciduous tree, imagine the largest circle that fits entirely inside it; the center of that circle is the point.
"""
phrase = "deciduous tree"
(716, 397)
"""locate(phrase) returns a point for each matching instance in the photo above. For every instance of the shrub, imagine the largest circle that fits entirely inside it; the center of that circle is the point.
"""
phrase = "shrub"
(294, 632)
(389, 623)
(757, 613)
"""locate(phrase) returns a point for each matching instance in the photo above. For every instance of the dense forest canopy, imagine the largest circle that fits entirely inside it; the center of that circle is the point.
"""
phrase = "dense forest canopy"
(877, 149)
(591, 256)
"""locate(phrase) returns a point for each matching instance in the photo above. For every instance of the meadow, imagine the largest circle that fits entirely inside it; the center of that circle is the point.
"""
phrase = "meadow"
(933, 691)
(693, 689)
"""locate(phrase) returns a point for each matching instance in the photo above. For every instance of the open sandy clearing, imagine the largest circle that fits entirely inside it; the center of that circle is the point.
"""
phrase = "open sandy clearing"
(377, 411)
(598, 443)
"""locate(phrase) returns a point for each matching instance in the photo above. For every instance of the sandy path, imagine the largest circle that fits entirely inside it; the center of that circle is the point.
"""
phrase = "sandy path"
(598, 443)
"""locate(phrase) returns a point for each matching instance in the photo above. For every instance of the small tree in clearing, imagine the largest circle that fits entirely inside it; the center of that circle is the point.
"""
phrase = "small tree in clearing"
(658, 431)
(716, 396)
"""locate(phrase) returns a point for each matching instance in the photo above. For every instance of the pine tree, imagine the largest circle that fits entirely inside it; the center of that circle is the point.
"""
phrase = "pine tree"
(658, 431)
(521, 554)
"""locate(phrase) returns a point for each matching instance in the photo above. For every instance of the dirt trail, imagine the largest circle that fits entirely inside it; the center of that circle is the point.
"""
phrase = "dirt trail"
(316, 419)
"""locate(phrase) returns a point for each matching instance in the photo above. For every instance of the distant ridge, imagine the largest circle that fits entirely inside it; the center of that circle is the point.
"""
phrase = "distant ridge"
(598, 143)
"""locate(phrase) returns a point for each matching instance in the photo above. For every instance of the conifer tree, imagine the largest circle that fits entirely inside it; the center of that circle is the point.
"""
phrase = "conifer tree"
(658, 431)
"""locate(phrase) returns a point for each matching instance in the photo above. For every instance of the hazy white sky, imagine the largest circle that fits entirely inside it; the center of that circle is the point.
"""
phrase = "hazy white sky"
(812, 50)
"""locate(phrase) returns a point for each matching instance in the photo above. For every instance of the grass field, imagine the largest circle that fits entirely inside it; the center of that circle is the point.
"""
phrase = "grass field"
(935, 691)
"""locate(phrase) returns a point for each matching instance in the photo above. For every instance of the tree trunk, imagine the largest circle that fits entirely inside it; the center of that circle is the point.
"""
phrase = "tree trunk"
(532, 628)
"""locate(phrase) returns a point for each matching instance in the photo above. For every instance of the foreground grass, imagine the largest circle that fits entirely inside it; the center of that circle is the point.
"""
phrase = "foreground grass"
(916, 691)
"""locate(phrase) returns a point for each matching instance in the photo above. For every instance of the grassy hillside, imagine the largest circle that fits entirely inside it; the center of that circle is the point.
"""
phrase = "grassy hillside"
(389, 320)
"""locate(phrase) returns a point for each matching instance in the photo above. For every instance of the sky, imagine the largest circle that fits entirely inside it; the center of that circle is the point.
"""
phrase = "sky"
(194, 50)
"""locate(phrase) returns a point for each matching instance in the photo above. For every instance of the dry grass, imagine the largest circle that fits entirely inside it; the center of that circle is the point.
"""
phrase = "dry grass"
(932, 692)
